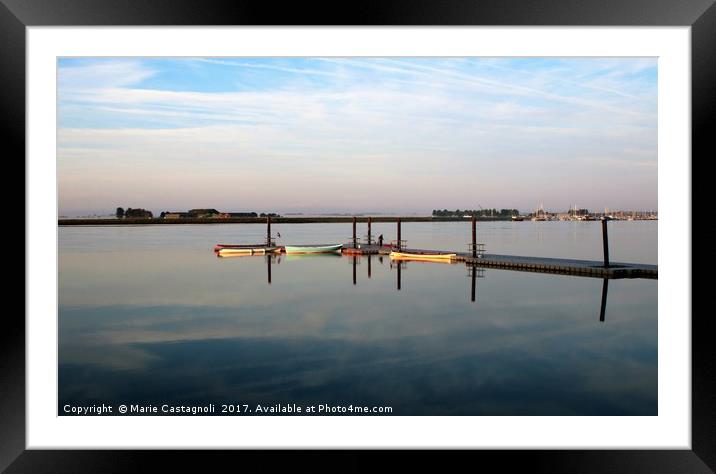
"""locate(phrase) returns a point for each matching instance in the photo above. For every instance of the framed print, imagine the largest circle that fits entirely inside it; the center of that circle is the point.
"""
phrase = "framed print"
(240, 232)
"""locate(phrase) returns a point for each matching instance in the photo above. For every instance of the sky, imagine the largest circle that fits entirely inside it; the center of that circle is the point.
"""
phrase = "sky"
(356, 134)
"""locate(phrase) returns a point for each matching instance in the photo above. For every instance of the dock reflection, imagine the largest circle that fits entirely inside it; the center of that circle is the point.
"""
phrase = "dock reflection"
(474, 272)
(399, 265)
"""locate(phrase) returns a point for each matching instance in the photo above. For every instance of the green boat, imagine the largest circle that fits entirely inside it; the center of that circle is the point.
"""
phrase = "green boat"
(321, 248)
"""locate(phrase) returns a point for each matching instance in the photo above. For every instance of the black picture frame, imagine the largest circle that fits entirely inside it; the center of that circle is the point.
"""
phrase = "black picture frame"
(16, 15)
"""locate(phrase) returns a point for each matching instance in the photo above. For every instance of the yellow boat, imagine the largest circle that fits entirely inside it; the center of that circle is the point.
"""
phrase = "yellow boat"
(422, 256)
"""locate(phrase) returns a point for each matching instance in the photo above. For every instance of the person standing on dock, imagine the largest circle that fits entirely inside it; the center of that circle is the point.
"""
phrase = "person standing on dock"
(380, 240)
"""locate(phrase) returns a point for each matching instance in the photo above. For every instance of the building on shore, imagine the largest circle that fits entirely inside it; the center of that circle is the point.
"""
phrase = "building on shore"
(203, 213)
(174, 215)
(228, 215)
(207, 214)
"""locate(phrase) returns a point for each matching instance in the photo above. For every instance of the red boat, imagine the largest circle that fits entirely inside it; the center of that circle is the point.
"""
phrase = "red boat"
(218, 247)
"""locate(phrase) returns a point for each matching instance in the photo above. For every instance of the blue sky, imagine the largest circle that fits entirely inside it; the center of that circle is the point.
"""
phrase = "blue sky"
(356, 134)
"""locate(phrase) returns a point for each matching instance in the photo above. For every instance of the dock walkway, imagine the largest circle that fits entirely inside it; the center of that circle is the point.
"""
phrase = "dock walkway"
(588, 268)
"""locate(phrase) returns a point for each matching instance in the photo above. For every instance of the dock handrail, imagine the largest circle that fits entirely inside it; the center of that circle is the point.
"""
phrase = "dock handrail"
(398, 243)
(478, 271)
(478, 247)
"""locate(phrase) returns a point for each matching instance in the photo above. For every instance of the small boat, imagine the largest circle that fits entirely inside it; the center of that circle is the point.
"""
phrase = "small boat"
(218, 247)
(422, 259)
(422, 256)
(321, 248)
(246, 250)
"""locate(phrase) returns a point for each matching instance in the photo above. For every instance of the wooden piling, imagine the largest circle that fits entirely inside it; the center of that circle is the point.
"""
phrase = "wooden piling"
(605, 243)
(354, 233)
(369, 236)
(268, 231)
(399, 243)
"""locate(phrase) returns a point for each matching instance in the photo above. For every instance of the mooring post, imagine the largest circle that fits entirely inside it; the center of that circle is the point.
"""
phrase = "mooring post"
(399, 245)
(605, 242)
(474, 240)
(268, 231)
(369, 238)
(354, 233)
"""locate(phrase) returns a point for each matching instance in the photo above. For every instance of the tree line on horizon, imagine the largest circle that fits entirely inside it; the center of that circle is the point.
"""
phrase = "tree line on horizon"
(129, 213)
(476, 213)
(121, 213)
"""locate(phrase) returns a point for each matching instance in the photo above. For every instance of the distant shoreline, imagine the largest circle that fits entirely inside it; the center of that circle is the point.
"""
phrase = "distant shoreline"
(262, 220)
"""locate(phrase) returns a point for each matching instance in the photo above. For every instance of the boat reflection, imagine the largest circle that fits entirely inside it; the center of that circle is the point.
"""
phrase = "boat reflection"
(292, 257)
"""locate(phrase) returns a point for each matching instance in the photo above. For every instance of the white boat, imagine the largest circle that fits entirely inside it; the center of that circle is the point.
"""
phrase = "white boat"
(315, 248)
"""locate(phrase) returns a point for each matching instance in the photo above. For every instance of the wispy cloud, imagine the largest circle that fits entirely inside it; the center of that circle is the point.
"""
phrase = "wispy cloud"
(103, 74)
(292, 70)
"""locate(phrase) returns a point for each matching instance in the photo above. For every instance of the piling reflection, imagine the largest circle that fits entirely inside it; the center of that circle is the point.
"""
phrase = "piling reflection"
(268, 268)
(399, 266)
(474, 272)
(603, 308)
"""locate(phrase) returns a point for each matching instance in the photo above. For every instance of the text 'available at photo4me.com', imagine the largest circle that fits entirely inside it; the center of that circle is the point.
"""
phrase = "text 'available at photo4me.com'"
(222, 409)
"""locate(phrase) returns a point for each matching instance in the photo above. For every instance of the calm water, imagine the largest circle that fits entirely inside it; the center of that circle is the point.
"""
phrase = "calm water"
(149, 315)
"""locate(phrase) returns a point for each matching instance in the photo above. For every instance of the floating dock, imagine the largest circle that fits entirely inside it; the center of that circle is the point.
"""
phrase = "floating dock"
(588, 268)
(476, 257)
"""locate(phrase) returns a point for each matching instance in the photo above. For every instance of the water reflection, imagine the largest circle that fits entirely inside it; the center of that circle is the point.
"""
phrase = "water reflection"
(268, 267)
(138, 325)
(474, 272)
(603, 307)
